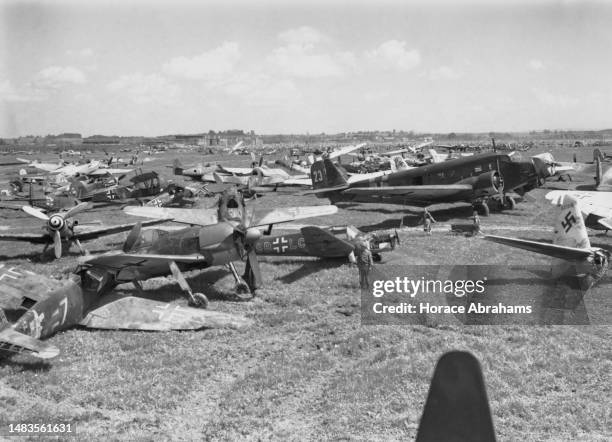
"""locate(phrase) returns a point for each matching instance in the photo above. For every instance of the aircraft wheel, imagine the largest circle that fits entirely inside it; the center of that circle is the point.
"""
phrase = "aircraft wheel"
(509, 203)
(484, 209)
(243, 291)
(201, 301)
(376, 257)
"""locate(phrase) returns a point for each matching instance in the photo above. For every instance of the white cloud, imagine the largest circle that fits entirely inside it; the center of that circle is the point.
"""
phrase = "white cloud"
(57, 76)
(535, 65)
(144, 89)
(443, 73)
(297, 57)
(393, 54)
(295, 61)
(304, 36)
(213, 64)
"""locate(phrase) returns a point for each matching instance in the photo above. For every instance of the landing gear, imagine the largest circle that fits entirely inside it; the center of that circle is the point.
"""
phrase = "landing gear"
(482, 208)
(509, 203)
(242, 289)
(195, 299)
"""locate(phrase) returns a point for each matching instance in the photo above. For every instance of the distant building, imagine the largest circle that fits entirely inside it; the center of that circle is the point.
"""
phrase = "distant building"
(101, 139)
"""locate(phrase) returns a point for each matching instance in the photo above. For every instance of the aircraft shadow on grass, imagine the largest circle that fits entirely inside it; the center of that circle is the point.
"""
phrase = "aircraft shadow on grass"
(33, 366)
(308, 268)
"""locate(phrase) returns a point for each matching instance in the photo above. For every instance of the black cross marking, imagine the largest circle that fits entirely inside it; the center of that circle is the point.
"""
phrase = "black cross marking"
(570, 220)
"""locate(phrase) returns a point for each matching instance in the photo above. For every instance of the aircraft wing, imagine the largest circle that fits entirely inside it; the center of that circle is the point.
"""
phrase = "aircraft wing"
(14, 342)
(109, 230)
(118, 261)
(200, 217)
(100, 172)
(424, 192)
(134, 313)
(36, 238)
(554, 250)
(345, 150)
(263, 217)
(236, 170)
(325, 244)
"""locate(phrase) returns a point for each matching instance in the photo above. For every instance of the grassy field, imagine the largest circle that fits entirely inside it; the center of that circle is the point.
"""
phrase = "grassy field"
(308, 369)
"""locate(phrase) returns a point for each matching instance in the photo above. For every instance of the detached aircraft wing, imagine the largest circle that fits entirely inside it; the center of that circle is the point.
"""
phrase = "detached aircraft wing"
(263, 217)
(14, 342)
(200, 217)
(554, 250)
(102, 172)
(134, 313)
(110, 230)
(255, 217)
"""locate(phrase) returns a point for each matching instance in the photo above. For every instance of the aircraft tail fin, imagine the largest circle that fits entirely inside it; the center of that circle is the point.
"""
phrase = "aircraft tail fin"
(598, 171)
(435, 156)
(325, 174)
(14, 342)
(569, 228)
(178, 168)
(457, 407)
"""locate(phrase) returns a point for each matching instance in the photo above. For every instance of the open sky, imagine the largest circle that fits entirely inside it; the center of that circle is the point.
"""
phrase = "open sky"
(152, 68)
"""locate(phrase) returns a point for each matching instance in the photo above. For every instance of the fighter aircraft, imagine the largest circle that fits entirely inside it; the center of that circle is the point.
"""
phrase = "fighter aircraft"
(331, 242)
(570, 245)
(476, 179)
(219, 237)
(42, 306)
(58, 229)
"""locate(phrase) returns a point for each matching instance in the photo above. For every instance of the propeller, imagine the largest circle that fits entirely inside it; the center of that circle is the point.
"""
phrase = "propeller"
(132, 237)
(57, 244)
(35, 212)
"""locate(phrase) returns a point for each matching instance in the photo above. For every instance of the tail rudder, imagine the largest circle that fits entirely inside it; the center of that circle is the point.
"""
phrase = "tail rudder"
(325, 174)
(569, 228)
(178, 168)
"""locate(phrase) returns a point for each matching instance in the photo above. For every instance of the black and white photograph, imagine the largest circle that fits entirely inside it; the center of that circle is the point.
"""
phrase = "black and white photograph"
(306, 220)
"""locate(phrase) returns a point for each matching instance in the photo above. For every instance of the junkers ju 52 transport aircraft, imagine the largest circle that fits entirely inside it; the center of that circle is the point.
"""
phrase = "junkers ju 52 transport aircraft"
(476, 179)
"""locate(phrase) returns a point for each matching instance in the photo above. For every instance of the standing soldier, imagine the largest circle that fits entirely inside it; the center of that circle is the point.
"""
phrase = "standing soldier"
(427, 220)
(476, 220)
(364, 262)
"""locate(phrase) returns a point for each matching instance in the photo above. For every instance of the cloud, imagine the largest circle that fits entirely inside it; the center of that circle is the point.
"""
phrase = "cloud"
(57, 76)
(9, 93)
(393, 54)
(304, 36)
(297, 57)
(535, 65)
(443, 73)
(144, 89)
(213, 64)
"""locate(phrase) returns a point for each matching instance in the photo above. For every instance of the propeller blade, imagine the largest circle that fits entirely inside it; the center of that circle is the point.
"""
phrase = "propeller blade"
(74, 210)
(252, 271)
(57, 244)
(132, 237)
(35, 212)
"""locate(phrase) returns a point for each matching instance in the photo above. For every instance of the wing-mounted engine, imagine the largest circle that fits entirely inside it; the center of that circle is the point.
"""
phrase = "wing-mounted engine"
(486, 183)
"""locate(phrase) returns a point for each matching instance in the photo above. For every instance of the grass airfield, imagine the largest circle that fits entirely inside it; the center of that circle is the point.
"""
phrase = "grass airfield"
(307, 369)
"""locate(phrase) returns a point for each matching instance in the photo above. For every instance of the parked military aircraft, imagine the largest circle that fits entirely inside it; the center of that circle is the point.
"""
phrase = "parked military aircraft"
(570, 245)
(332, 242)
(40, 307)
(220, 236)
(476, 179)
(58, 229)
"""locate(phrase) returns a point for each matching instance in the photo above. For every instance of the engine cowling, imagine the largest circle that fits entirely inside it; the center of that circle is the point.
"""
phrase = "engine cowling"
(490, 182)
